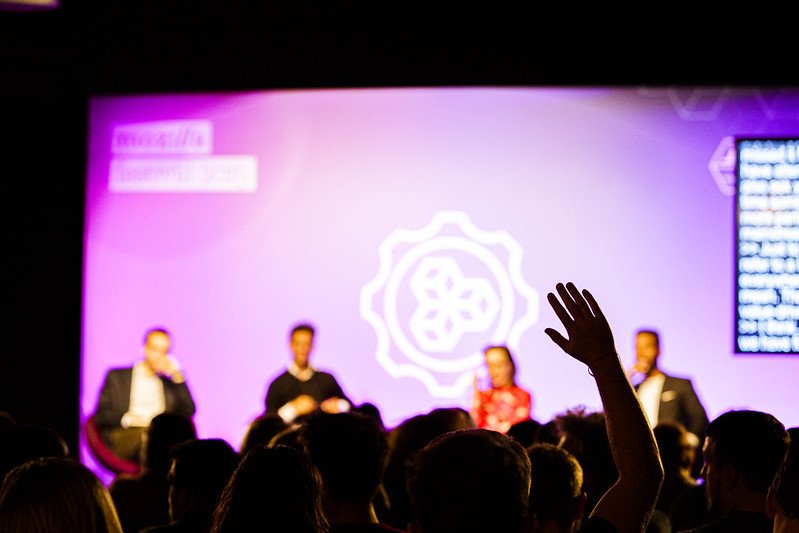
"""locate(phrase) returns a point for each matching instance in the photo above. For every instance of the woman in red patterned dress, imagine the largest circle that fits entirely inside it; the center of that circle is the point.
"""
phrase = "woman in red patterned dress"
(504, 403)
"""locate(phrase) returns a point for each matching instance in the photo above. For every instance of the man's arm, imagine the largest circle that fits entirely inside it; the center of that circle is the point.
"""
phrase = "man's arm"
(112, 403)
(178, 397)
(629, 503)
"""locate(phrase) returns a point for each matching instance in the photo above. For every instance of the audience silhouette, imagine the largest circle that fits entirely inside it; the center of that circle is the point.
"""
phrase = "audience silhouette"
(470, 480)
(743, 451)
(261, 430)
(20, 443)
(142, 500)
(405, 441)
(350, 451)
(782, 501)
(55, 495)
(557, 500)
(274, 488)
(345, 472)
(200, 470)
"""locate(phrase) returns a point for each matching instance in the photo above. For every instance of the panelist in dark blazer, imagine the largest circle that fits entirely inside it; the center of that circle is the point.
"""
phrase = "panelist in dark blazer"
(132, 396)
(666, 397)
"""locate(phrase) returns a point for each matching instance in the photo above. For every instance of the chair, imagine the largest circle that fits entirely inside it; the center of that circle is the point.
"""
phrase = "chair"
(104, 455)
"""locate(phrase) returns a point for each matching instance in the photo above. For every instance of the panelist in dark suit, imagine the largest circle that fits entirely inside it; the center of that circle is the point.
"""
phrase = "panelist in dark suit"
(665, 397)
(132, 396)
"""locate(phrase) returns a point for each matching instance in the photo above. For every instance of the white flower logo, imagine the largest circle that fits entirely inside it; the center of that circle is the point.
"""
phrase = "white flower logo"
(441, 293)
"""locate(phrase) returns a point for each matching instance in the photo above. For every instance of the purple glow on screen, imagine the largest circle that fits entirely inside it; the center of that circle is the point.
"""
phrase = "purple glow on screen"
(413, 227)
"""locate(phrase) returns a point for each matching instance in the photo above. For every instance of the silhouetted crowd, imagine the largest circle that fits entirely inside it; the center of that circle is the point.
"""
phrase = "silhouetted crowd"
(435, 472)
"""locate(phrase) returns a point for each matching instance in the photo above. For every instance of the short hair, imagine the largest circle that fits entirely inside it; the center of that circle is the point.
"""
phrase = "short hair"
(303, 326)
(204, 467)
(786, 481)
(350, 451)
(556, 480)
(753, 442)
(56, 494)
(676, 451)
(507, 353)
(405, 441)
(470, 480)
(652, 332)
(165, 431)
(157, 329)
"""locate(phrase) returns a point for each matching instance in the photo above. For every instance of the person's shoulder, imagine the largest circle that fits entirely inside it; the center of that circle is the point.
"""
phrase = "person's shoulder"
(119, 371)
(285, 374)
(672, 380)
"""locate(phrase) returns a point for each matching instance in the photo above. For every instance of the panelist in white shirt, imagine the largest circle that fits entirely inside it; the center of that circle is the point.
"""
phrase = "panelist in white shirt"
(664, 396)
(132, 396)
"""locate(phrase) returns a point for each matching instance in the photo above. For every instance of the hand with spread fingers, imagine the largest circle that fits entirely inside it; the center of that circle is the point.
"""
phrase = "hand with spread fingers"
(629, 503)
(590, 338)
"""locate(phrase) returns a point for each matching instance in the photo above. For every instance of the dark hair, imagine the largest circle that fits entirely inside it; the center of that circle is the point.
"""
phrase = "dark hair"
(652, 332)
(507, 353)
(204, 467)
(786, 481)
(276, 487)
(405, 441)
(753, 442)
(22, 442)
(676, 451)
(586, 437)
(556, 480)
(470, 480)
(525, 432)
(303, 326)
(157, 329)
(165, 431)
(350, 450)
(261, 430)
(54, 494)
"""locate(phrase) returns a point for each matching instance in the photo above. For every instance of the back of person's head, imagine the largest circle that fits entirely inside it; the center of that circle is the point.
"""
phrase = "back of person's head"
(785, 487)
(274, 488)
(525, 432)
(261, 431)
(753, 442)
(53, 495)
(349, 449)
(20, 443)
(584, 434)
(165, 430)
(405, 440)
(370, 409)
(470, 480)
(201, 468)
(676, 451)
(289, 437)
(556, 487)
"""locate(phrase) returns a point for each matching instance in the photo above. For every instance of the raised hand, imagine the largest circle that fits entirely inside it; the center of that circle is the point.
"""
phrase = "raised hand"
(589, 336)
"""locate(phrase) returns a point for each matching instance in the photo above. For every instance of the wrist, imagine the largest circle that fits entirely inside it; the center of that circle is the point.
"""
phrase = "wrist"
(607, 360)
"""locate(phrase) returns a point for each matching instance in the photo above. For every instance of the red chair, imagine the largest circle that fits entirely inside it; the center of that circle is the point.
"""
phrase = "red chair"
(104, 455)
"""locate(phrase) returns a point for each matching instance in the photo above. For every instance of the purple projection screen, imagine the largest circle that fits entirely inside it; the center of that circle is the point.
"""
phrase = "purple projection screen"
(414, 226)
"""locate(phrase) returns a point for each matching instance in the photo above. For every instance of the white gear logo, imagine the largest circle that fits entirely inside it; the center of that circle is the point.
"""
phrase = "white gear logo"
(441, 291)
